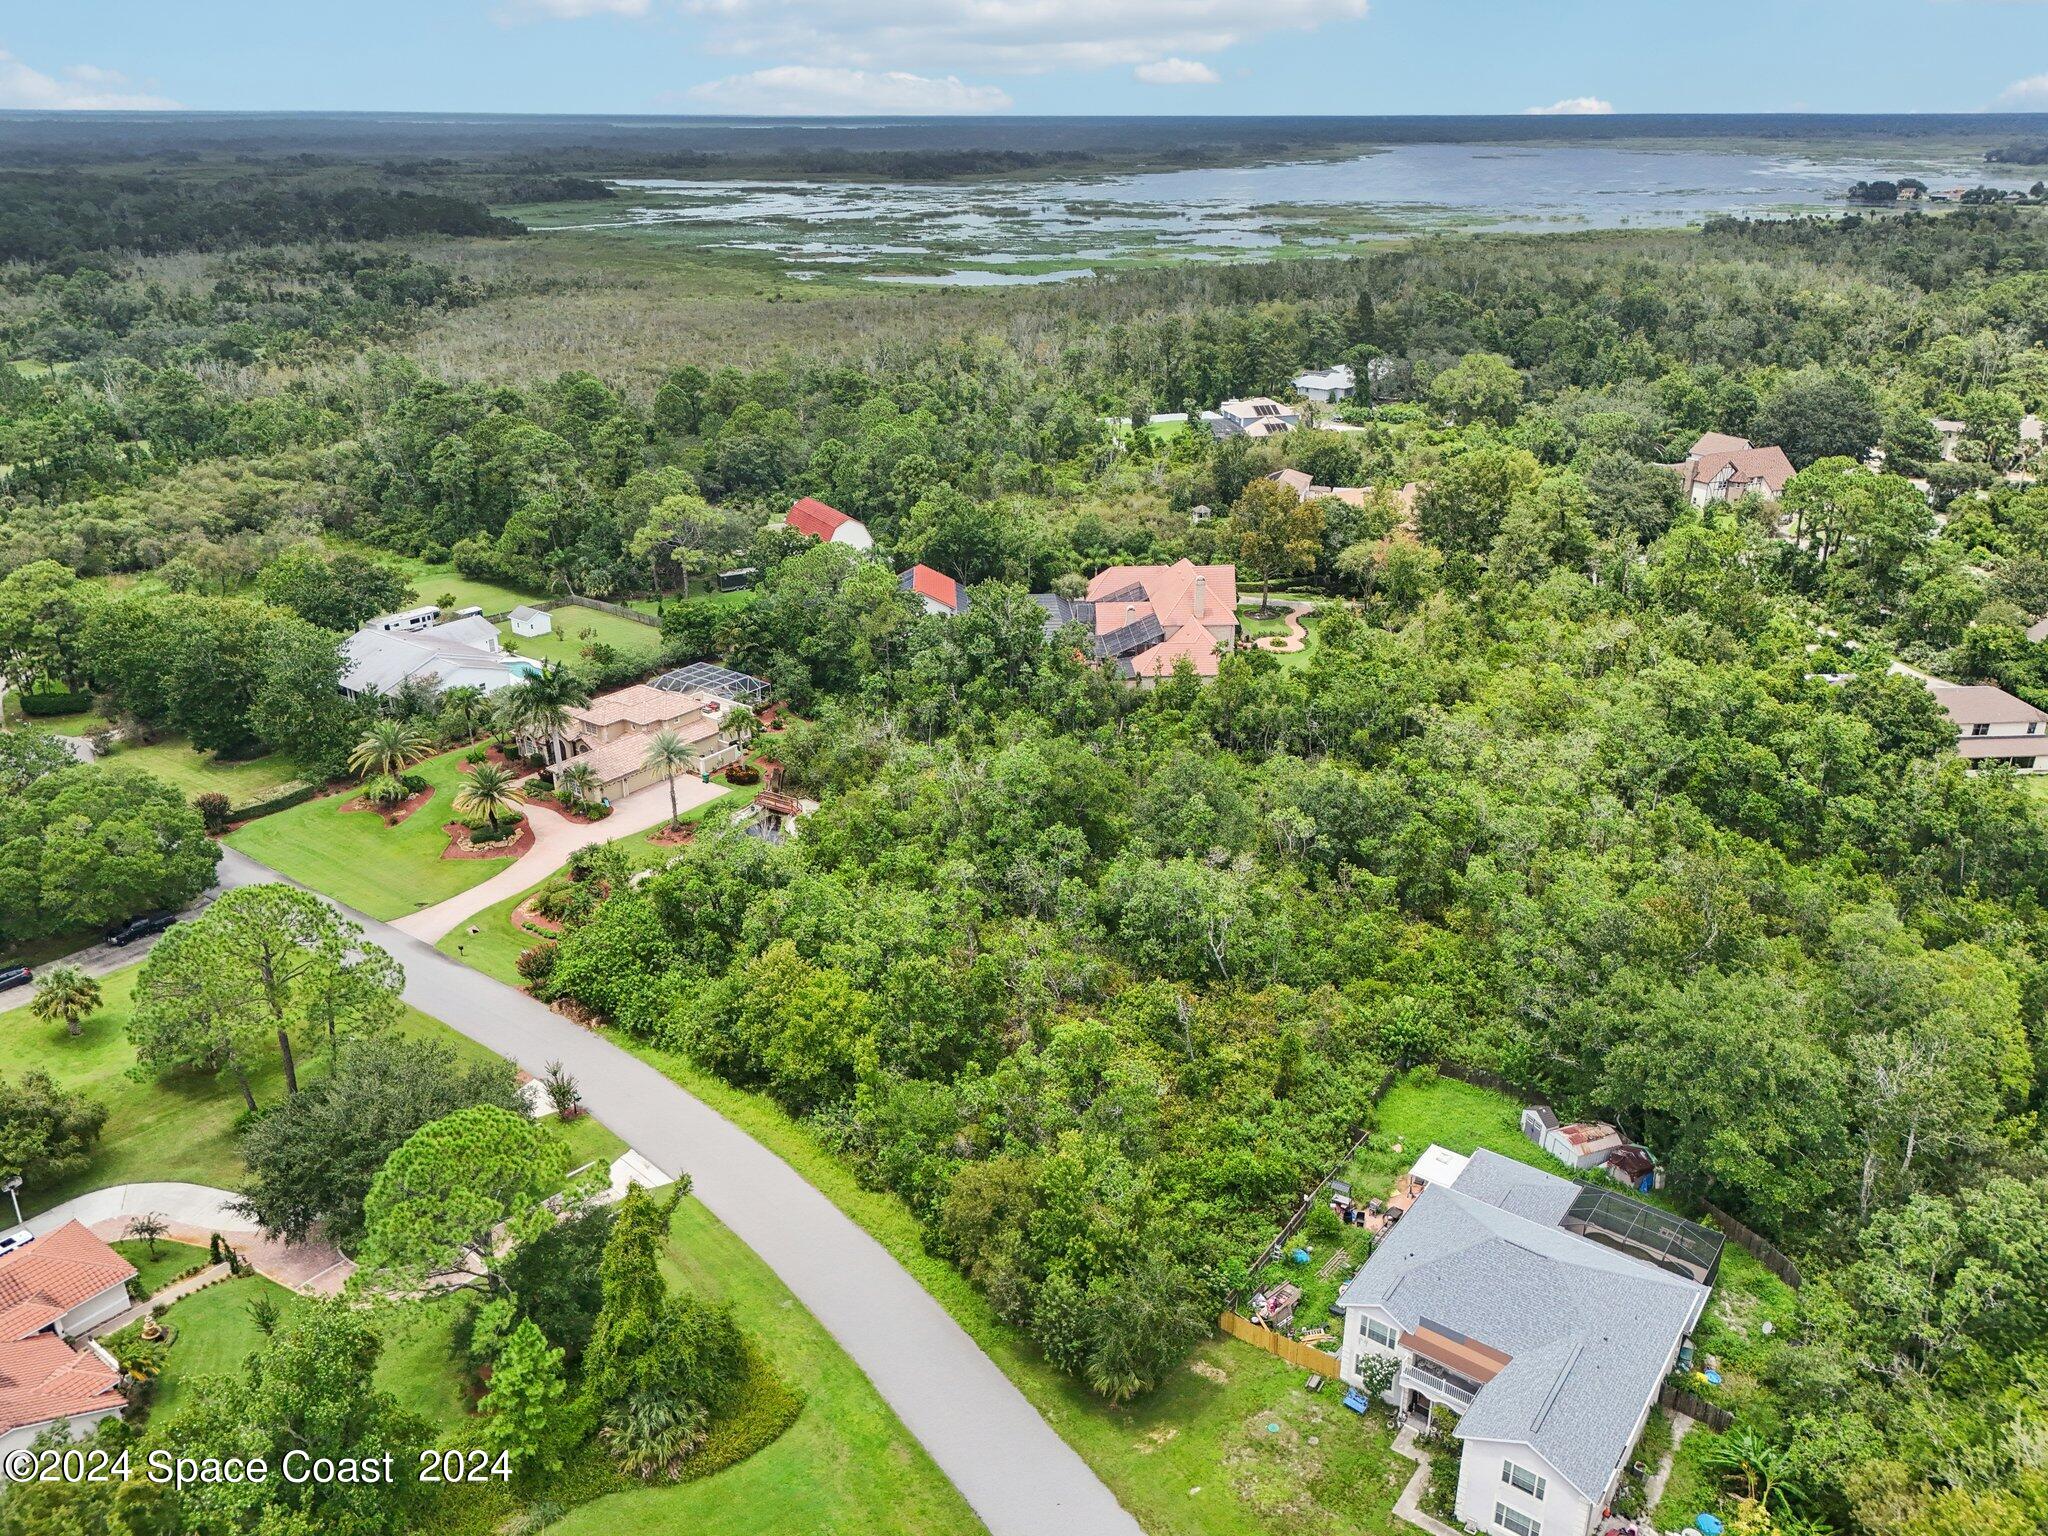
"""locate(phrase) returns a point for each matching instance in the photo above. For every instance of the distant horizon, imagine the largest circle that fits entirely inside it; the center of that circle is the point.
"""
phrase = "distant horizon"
(845, 59)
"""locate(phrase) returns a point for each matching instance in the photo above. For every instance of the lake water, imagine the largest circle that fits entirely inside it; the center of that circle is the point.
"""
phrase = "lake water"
(1054, 229)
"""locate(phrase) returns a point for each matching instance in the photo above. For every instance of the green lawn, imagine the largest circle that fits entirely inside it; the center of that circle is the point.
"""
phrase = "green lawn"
(354, 857)
(179, 1128)
(846, 1467)
(577, 627)
(196, 773)
(153, 1274)
(432, 583)
(1194, 1458)
(495, 948)
(1423, 1108)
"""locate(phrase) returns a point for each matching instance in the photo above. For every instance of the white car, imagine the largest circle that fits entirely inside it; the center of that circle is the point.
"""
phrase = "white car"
(20, 1237)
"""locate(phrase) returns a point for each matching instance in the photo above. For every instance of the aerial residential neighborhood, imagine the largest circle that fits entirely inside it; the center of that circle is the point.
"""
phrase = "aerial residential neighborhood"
(804, 770)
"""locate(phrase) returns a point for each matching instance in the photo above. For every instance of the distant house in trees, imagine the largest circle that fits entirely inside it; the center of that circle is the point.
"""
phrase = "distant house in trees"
(52, 1291)
(1256, 417)
(1994, 727)
(1326, 386)
(531, 622)
(815, 520)
(938, 592)
(1723, 468)
(1143, 619)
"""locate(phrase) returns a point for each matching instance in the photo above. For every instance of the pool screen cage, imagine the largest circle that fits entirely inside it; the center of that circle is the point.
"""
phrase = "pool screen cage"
(1670, 1242)
(709, 677)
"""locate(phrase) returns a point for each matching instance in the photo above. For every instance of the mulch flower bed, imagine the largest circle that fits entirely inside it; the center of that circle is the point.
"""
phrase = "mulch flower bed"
(392, 815)
(460, 847)
(525, 918)
(670, 837)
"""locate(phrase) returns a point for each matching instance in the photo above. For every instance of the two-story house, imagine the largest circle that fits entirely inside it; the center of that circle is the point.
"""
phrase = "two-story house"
(1540, 1313)
(1994, 727)
(611, 734)
(1723, 468)
(1256, 417)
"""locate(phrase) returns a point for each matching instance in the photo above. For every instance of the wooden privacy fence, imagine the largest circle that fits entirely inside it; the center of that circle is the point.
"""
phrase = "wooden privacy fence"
(1716, 1419)
(1765, 1254)
(1293, 1351)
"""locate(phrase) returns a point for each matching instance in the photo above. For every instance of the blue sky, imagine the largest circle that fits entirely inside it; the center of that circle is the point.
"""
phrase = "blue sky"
(1033, 56)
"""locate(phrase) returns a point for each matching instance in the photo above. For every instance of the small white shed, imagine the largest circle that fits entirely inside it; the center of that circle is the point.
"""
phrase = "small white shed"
(531, 621)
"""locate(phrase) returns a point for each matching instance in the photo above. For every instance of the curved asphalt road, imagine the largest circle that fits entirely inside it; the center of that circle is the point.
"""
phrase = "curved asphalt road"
(1020, 1477)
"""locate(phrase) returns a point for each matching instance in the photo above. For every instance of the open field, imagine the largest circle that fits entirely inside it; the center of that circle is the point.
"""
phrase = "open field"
(354, 857)
(196, 773)
(575, 628)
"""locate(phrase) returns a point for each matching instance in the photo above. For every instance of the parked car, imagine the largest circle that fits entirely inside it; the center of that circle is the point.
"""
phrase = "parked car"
(16, 976)
(140, 927)
(20, 1237)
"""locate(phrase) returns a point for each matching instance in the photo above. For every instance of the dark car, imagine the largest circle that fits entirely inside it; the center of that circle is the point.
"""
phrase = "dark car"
(140, 927)
(16, 976)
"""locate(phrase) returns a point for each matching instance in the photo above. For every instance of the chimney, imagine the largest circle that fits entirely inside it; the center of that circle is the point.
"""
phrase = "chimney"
(1130, 613)
(1201, 596)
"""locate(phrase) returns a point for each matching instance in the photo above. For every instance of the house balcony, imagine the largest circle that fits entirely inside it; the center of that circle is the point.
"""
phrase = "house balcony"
(1453, 1392)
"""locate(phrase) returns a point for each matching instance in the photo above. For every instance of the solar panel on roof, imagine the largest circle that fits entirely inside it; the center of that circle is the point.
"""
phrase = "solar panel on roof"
(709, 677)
(1140, 635)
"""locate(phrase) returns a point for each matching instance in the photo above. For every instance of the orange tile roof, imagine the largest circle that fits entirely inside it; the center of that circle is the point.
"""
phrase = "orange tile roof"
(53, 1274)
(43, 1379)
(935, 585)
(639, 704)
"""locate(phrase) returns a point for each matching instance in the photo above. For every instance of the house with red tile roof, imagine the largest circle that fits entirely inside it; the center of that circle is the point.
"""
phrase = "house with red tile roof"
(65, 1281)
(1723, 468)
(1144, 619)
(815, 520)
(55, 1288)
(938, 592)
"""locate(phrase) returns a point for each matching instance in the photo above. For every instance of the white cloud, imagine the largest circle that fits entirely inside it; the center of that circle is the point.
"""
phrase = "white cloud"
(81, 88)
(571, 10)
(2028, 92)
(1177, 72)
(797, 90)
(1572, 106)
(1019, 36)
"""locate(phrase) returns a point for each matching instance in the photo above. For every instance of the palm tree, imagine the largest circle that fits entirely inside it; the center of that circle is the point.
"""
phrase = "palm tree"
(149, 1228)
(742, 725)
(388, 748)
(576, 782)
(668, 754)
(490, 792)
(69, 994)
(548, 698)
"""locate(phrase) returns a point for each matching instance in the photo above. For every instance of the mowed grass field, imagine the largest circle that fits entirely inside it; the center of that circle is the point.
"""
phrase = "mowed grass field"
(191, 772)
(354, 857)
(576, 628)
(179, 1128)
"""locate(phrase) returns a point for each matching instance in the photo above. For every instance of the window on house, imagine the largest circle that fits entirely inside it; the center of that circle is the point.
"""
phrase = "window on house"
(1980, 729)
(1522, 1478)
(1380, 1333)
(1513, 1520)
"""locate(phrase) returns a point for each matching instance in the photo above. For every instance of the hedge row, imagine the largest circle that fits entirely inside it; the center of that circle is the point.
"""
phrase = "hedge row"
(55, 703)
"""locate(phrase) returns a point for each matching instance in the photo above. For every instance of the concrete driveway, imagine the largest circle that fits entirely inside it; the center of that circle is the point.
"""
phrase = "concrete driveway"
(555, 839)
(1019, 1476)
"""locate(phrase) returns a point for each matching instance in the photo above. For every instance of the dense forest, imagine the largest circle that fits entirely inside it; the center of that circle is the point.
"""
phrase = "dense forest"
(1581, 784)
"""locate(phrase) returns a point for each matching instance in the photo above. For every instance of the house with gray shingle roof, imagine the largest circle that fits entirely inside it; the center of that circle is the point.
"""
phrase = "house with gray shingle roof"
(1501, 1302)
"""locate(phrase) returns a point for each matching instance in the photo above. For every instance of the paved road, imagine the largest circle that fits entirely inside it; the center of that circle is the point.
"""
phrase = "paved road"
(105, 959)
(1020, 1477)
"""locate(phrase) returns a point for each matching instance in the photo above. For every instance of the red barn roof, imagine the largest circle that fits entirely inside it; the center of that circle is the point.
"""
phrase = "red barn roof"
(812, 517)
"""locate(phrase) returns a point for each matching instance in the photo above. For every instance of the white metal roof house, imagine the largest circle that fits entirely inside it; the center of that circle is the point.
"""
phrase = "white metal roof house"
(1542, 1312)
(463, 654)
(1326, 386)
